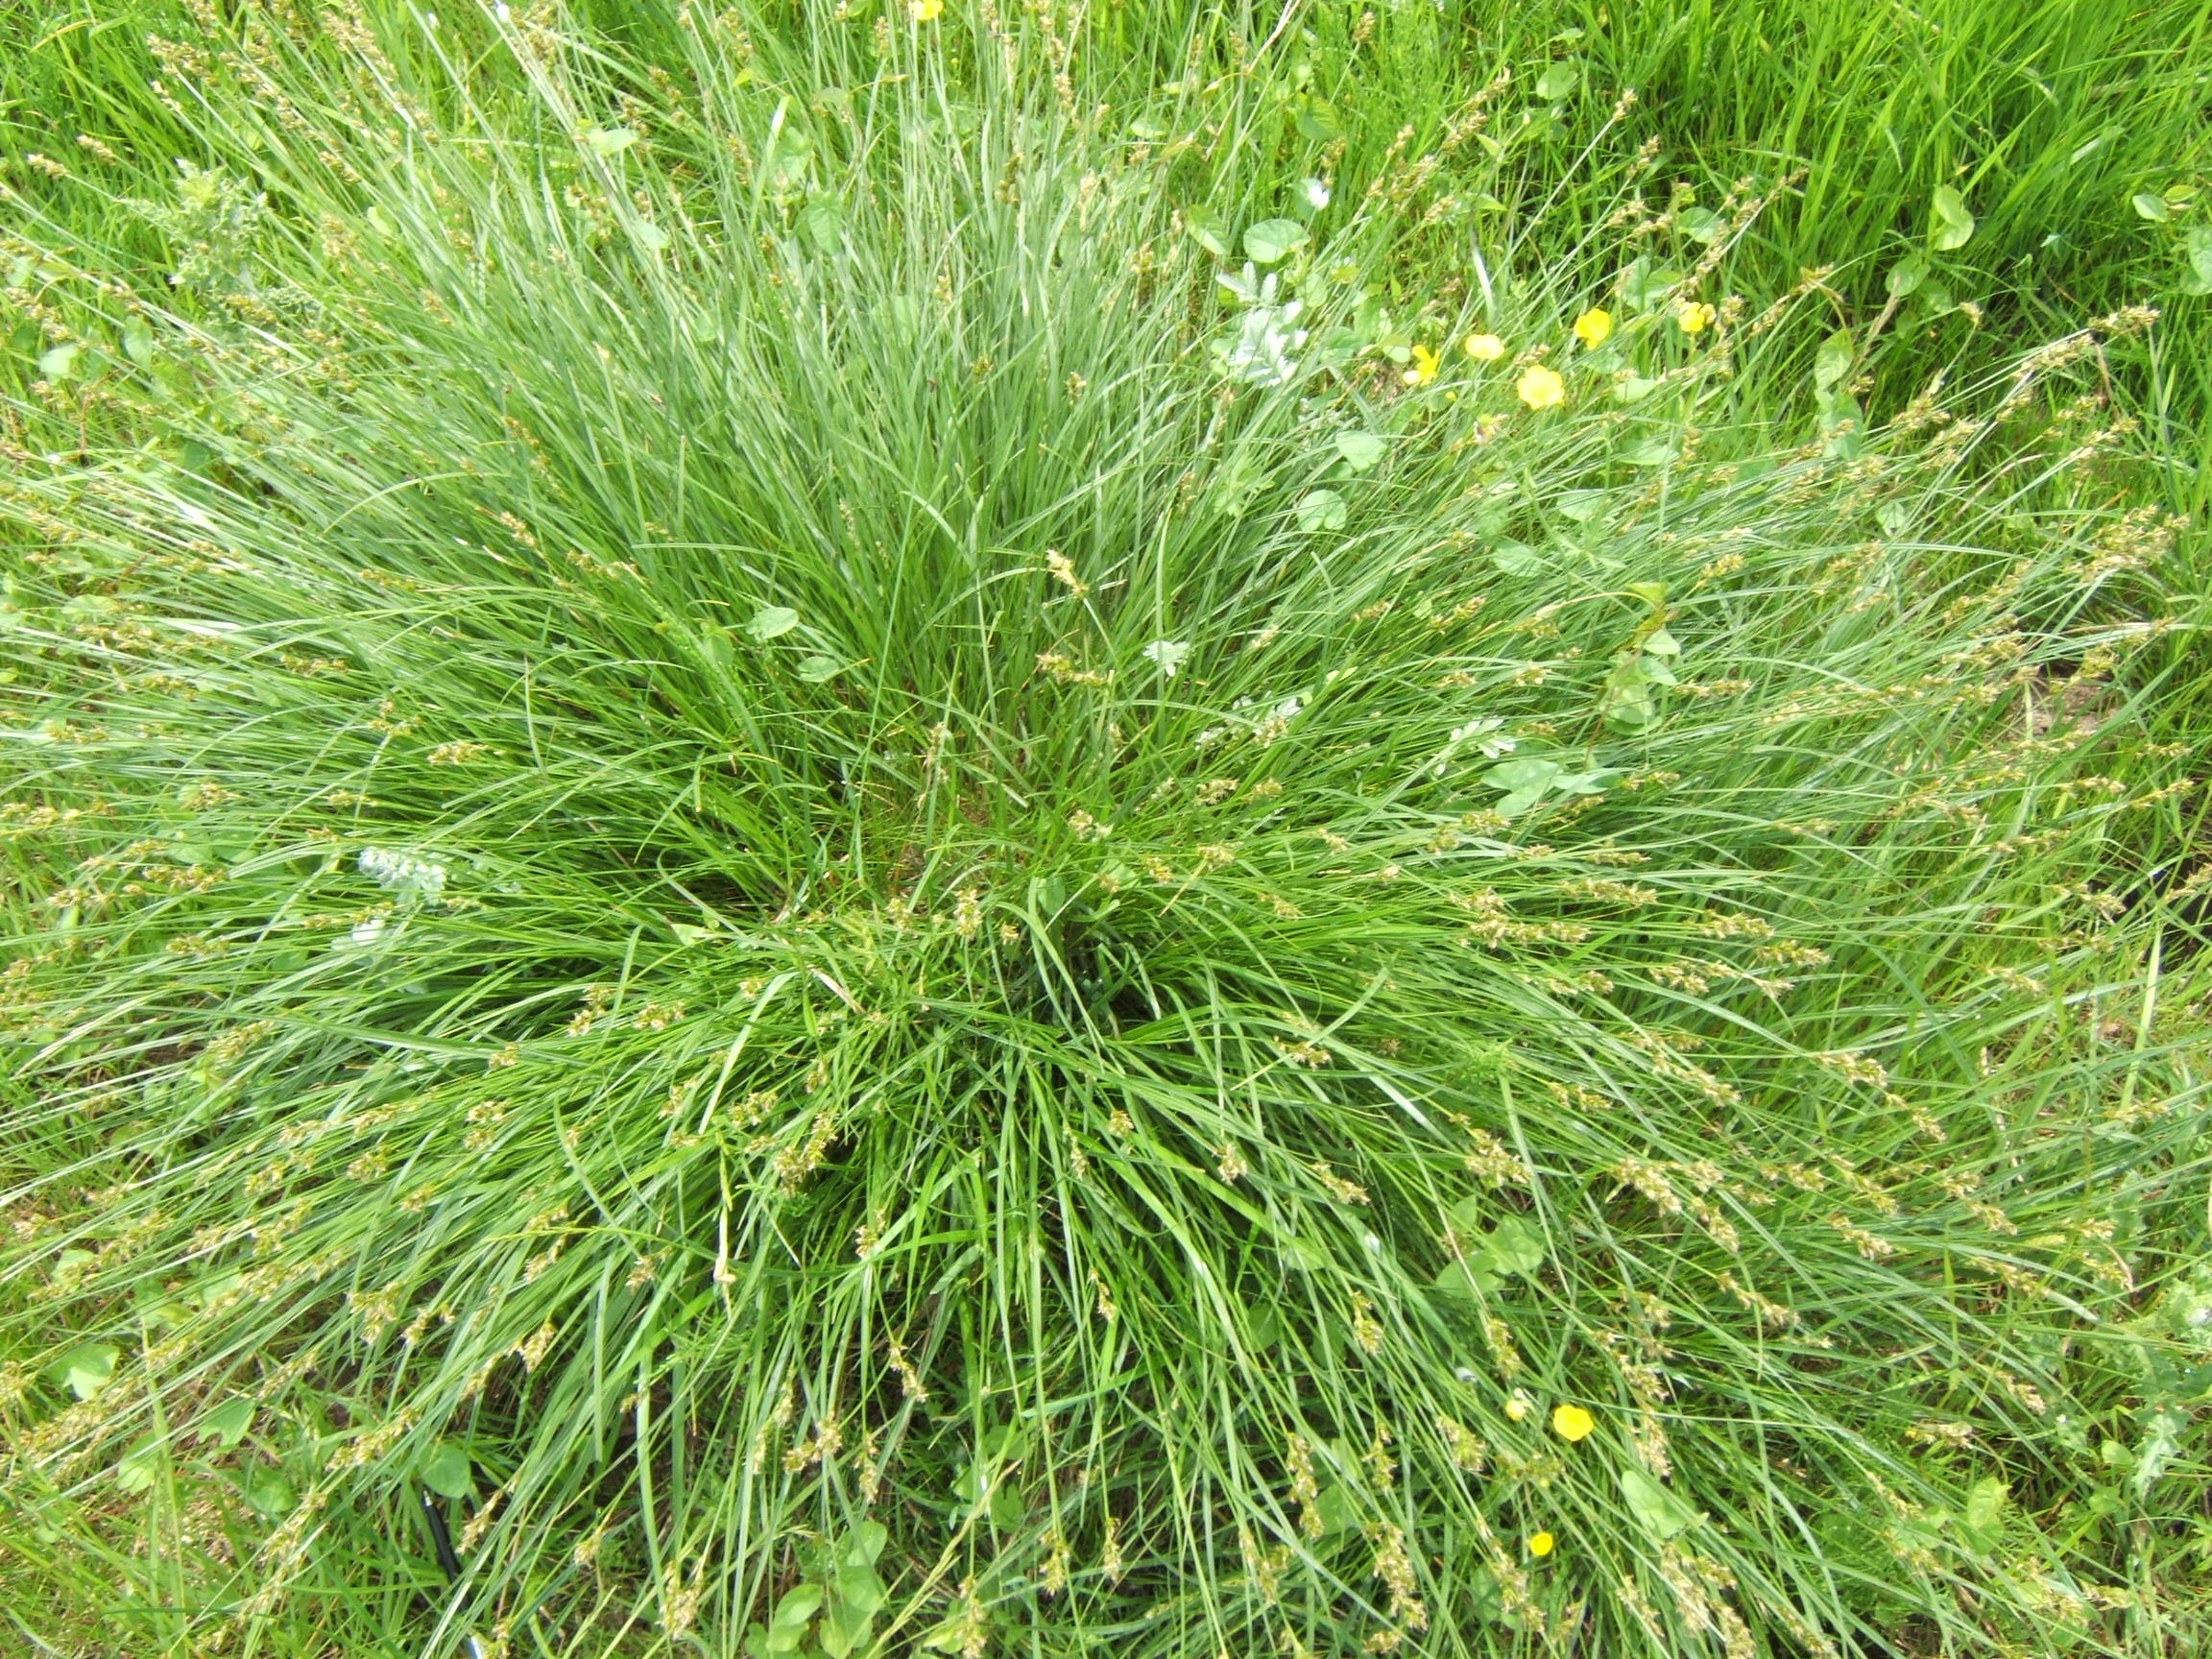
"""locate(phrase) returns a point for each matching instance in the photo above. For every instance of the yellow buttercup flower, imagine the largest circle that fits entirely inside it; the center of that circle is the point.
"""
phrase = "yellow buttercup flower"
(1572, 1423)
(1695, 316)
(924, 10)
(1541, 1545)
(1483, 348)
(1424, 370)
(1541, 388)
(1518, 1404)
(1594, 328)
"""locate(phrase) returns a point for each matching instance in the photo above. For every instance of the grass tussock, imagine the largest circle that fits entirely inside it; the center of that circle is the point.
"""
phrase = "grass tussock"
(884, 844)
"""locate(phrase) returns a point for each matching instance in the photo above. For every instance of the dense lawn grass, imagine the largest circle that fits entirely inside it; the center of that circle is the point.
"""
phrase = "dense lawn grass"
(938, 831)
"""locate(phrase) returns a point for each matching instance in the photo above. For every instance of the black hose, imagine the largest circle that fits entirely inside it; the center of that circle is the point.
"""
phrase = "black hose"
(441, 1540)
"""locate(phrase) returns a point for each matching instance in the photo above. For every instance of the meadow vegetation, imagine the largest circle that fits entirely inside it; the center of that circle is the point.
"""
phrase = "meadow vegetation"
(1036, 829)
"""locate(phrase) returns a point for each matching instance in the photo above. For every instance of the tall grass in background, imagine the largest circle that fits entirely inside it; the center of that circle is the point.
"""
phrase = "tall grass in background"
(2075, 132)
(824, 818)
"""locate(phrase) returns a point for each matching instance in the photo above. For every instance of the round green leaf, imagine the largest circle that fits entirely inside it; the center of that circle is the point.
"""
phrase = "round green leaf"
(84, 1370)
(2197, 244)
(1208, 230)
(1360, 450)
(1953, 226)
(1273, 239)
(824, 221)
(864, 1543)
(228, 1422)
(1321, 510)
(1528, 772)
(1514, 1247)
(1659, 1511)
(2151, 207)
(444, 1469)
(268, 1493)
(1644, 287)
(1984, 1523)
(1337, 1509)
(772, 621)
(140, 1467)
(1470, 1280)
(1559, 80)
(949, 1637)
(1833, 361)
(1303, 1254)
(845, 1627)
(1701, 224)
(787, 1629)
(1319, 121)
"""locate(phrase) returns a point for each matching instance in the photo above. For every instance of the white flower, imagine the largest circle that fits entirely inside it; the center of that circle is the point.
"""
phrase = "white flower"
(1267, 728)
(370, 931)
(1493, 747)
(404, 873)
(1487, 736)
(1316, 194)
(1168, 655)
(1260, 349)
